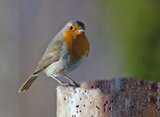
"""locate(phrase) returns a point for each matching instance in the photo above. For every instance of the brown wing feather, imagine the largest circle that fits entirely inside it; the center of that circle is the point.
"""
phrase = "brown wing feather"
(51, 55)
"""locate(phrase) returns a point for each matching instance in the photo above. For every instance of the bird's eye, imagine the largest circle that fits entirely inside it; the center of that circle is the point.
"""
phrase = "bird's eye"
(71, 27)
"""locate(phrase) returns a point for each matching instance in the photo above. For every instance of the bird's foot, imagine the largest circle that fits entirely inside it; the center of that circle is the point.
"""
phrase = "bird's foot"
(75, 84)
(70, 84)
(66, 84)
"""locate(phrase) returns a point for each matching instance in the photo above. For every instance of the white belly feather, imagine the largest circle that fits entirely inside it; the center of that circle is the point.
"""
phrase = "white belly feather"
(62, 67)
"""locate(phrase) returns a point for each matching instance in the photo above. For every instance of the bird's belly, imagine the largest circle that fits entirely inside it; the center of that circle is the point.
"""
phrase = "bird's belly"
(55, 68)
(62, 67)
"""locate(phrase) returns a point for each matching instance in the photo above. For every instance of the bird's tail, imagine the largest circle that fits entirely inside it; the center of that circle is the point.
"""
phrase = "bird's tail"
(28, 83)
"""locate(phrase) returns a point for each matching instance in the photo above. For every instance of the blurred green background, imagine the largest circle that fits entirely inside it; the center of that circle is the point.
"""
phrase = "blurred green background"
(124, 38)
(134, 28)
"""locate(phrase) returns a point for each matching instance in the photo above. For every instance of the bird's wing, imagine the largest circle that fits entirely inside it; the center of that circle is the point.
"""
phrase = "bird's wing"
(52, 54)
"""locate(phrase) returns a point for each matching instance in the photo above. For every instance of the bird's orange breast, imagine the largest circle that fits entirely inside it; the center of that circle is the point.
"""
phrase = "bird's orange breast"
(77, 46)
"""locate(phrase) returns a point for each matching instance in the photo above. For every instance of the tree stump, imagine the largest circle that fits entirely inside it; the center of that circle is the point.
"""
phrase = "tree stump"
(122, 97)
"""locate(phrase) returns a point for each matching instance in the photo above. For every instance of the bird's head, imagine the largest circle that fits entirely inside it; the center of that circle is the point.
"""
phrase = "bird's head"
(73, 28)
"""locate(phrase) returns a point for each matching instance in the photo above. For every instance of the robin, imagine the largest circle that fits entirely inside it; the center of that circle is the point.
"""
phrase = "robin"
(66, 51)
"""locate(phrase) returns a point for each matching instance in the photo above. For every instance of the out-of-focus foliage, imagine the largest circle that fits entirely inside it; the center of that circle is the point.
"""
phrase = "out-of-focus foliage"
(134, 27)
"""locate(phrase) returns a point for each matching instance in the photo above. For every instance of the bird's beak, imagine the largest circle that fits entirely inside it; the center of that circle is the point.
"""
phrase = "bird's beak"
(80, 31)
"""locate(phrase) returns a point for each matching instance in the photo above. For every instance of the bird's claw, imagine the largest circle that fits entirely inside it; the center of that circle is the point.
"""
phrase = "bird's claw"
(75, 84)
(66, 84)
(70, 84)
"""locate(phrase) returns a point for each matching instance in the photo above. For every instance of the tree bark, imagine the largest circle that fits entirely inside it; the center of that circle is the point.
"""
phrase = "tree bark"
(122, 97)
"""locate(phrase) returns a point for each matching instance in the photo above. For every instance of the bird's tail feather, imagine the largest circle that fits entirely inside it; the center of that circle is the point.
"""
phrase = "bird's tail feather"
(28, 83)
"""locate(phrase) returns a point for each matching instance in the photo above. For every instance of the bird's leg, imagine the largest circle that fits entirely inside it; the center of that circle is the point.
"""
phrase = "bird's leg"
(60, 82)
(72, 81)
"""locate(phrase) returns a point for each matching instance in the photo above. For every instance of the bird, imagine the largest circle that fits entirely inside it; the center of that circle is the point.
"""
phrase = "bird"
(66, 51)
